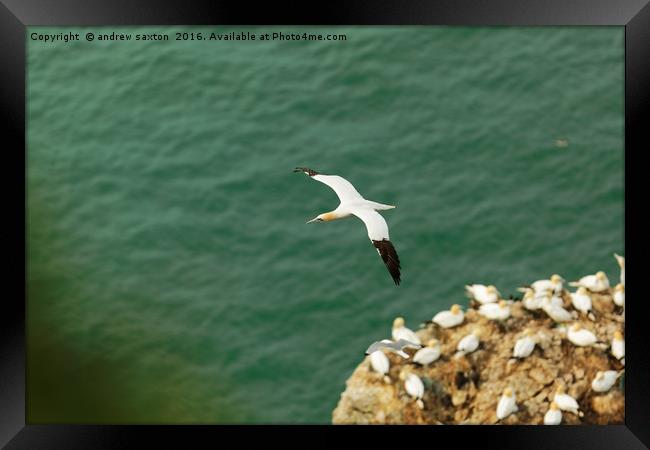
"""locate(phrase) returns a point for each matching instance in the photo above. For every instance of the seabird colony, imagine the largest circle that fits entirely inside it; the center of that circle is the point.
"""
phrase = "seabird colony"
(542, 296)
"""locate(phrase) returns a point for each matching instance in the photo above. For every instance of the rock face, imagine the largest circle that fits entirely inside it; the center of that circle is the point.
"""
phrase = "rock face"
(466, 390)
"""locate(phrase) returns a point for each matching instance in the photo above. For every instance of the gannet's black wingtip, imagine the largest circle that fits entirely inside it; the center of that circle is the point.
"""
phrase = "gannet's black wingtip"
(390, 258)
(307, 170)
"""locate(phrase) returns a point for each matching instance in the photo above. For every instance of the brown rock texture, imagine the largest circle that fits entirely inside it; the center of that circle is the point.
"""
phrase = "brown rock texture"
(466, 390)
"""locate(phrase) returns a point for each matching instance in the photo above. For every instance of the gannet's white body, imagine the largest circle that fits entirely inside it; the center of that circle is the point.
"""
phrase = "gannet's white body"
(428, 354)
(380, 363)
(621, 263)
(566, 403)
(595, 283)
(555, 312)
(468, 344)
(581, 300)
(619, 295)
(449, 319)
(605, 380)
(353, 204)
(507, 404)
(414, 387)
(524, 346)
(618, 347)
(580, 336)
(401, 332)
(553, 416)
(482, 294)
(555, 284)
(495, 311)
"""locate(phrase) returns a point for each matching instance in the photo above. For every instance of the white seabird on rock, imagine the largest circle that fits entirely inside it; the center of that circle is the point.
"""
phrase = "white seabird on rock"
(401, 332)
(507, 404)
(555, 311)
(531, 300)
(380, 363)
(618, 347)
(621, 263)
(468, 343)
(619, 295)
(553, 416)
(581, 336)
(605, 380)
(566, 403)
(414, 387)
(555, 284)
(581, 300)
(449, 319)
(428, 354)
(595, 283)
(524, 345)
(495, 311)
(483, 294)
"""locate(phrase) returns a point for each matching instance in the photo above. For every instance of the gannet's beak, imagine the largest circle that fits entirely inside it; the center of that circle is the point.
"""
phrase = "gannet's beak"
(313, 220)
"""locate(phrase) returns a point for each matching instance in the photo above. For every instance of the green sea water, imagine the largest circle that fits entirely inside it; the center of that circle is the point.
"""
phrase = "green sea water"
(171, 277)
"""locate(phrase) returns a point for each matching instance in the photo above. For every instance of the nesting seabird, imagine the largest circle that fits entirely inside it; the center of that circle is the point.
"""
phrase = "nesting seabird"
(555, 284)
(449, 319)
(395, 347)
(414, 386)
(581, 301)
(619, 295)
(555, 311)
(605, 380)
(532, 301)
(618, 347)
(553, 416)
(482, 294)
(621, 263)
(565, 402)
(495, 311)
(401, 332)
(353, 204)
(595, 283)
(507, 404)
(524, 345)
(380, 363)
(427, 355)
(468, 343)
(581, 336)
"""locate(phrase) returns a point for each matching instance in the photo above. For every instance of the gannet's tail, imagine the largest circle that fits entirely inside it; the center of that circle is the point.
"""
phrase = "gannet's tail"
(379, 206)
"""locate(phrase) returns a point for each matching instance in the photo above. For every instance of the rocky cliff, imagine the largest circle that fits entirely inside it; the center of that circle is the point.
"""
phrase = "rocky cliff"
(465, 390)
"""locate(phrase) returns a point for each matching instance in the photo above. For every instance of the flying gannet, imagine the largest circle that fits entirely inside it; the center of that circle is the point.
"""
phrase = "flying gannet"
(395, 347)
(353, 204)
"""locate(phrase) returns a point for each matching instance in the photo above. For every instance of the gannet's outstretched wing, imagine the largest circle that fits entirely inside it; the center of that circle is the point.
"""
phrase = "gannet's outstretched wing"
(340, 185)
(378, 234)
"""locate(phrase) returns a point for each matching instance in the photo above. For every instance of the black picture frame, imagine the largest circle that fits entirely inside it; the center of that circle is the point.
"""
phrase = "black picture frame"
(16, 15)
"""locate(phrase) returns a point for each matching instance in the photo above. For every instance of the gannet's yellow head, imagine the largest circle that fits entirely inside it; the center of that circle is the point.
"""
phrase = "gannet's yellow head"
(601, 276)
(502, 304)
(582, 290)
(575, 326)
(477, 332)
(398, 322)
(554, 406)
(620, 260)
(455, 309)
(492, 289)
(619, 288)
(560, 389)
(529, 294)
(325, 217)
(618, 336)
(432, 343)
(528, 332)
(508, 392)
(555, 278)
(600, 375)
